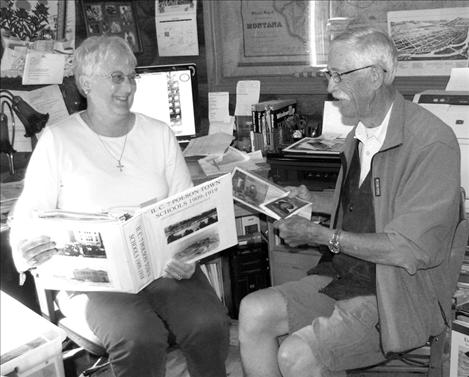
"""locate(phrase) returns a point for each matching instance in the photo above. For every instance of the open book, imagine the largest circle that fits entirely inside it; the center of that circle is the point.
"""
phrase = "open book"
(126, 252)
(262, 195)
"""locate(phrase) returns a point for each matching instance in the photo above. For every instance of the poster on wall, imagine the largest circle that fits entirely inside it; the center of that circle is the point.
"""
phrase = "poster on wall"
(112, 18)
(176, 27)
(38, 25)
(430, 42)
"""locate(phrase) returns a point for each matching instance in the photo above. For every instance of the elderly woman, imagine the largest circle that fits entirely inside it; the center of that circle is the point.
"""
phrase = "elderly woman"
(104, 157)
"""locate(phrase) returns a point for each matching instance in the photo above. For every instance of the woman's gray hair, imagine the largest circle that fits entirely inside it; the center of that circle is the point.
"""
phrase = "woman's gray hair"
(93, 52)
(371, 46)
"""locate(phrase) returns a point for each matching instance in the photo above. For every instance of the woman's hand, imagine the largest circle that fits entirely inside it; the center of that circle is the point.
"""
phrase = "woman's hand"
(177, 269)
(301, 192)
(36, 251)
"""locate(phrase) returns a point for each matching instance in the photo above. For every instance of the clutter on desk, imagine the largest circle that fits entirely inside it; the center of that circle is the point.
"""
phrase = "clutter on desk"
(9, 193)
(317, 145)
(211, 144)
(231, 158)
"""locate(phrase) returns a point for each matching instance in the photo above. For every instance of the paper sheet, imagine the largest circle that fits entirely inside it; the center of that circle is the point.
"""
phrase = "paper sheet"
(176, 28)
(332, 123)
(47, 99)
(459, 79)
(226, 127)
(210, 144)
(247, 94)
(218, 106)
(43, 68)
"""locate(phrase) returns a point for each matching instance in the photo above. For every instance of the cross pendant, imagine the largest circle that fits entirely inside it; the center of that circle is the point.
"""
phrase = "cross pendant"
(119, 165)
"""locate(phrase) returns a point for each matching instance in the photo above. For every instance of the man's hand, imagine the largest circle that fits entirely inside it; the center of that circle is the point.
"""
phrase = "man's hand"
(179, 270)
(301, 192)
(37, 250)
(297, 230)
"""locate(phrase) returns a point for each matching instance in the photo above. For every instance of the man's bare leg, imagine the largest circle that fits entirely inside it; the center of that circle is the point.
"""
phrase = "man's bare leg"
(262, 318)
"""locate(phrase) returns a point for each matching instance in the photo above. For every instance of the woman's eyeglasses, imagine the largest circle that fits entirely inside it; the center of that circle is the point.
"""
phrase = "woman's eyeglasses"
(337, 76)
(118, 77)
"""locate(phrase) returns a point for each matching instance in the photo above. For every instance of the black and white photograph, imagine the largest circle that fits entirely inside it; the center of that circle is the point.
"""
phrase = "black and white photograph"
(81, 243)
(198, 245)
(191, 225)
(285, 206)
(247, 188)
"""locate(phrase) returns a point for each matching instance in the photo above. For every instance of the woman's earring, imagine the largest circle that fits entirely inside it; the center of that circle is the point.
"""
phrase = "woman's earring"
(86, 91)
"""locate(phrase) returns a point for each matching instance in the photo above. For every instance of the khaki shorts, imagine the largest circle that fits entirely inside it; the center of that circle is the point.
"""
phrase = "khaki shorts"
(342, 334)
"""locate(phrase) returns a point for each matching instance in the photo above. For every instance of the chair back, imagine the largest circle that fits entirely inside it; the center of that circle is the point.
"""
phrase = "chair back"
(459, 245)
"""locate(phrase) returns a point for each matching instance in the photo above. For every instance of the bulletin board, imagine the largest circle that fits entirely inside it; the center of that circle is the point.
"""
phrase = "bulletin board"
(285, 65)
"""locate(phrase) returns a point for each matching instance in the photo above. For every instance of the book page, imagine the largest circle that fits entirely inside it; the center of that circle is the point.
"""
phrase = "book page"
(193, 224)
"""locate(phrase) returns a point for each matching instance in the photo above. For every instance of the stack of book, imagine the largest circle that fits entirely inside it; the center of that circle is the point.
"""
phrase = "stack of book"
(270, 130)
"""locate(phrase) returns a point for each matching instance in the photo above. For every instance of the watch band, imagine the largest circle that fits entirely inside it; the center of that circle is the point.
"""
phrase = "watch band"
(334, 243)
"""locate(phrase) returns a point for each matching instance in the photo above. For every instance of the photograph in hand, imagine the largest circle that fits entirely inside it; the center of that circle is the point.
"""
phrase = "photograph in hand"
(252, 190)
(286, 206)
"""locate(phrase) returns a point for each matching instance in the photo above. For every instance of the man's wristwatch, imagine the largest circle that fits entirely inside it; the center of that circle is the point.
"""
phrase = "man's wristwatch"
(334, 243)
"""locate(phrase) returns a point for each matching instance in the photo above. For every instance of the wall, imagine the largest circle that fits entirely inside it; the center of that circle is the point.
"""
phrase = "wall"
(309, 90)
(145, 14)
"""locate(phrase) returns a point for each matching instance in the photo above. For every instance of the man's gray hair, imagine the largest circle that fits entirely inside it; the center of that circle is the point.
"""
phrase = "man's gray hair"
(371, 46)
(94, 52)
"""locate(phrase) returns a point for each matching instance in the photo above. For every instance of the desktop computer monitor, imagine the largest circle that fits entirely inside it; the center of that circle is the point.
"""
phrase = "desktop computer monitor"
(169, 93)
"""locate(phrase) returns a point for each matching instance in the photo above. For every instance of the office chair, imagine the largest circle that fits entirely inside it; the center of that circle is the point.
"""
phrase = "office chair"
(80, 334)
(77, 331)
(428, 359)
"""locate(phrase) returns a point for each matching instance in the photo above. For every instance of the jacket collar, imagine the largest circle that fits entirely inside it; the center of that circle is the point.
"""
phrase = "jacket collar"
(395, 131)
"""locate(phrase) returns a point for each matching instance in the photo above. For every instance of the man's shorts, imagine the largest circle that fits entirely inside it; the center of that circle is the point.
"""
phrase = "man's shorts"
(342, 334)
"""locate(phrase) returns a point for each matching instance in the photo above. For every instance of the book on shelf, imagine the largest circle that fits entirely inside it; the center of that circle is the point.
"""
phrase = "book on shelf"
(124, 252)
(269, 128)
(213, 271)
(262, 195)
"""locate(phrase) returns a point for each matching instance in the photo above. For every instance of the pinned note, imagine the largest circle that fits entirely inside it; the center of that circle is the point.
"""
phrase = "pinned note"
(247, 94)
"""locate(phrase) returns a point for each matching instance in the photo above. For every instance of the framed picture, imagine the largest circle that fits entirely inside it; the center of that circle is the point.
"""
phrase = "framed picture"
(112, 18)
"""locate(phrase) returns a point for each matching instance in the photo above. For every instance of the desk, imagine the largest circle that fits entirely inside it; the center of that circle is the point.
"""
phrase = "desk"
(318, 173)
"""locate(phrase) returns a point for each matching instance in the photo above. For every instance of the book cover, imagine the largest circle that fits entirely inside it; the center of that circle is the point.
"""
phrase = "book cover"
(125, 253)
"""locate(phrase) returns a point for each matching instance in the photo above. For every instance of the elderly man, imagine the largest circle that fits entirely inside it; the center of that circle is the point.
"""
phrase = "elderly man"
(394, 213)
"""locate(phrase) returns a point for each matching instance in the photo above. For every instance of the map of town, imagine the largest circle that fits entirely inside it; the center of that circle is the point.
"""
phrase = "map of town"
(296, 15)
(432, 40)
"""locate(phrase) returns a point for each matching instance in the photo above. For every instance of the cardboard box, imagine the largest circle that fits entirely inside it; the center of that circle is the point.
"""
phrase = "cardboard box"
(31, 346)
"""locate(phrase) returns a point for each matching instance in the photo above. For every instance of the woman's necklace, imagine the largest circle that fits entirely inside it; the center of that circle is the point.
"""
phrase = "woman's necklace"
(119, 165)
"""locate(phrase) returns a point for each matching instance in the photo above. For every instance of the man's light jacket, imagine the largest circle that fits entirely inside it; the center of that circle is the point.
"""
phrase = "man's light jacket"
(416, 180)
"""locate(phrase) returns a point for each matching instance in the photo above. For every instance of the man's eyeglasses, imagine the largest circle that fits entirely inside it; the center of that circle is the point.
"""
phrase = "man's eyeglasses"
(337, 76)
(118, 77)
